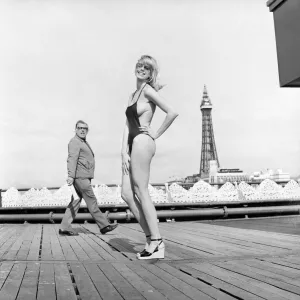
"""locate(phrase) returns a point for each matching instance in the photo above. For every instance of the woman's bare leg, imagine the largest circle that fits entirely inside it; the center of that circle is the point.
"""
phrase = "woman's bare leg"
(129, 197)
(142, 152)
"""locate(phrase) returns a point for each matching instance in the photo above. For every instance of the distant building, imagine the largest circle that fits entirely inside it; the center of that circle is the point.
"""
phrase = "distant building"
(217, 175)
(175, 179)
(192, 178)
(276, 175)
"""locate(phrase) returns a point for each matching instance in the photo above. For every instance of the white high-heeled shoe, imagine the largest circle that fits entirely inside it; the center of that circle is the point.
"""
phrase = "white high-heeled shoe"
(155, 250)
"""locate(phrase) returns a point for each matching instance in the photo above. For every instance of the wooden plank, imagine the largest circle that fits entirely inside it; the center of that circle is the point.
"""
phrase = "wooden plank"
(275, 239)
(282, 262)
(46, 285)
(33, 253)
(207, 245)
(240, 268)
(279, 224)
(56, 249)
(26, 243)
(270, 273)
(114, 242)
(105, 255)
(6, 247)
(201, 286)
(12, 284)
(104, 287)
(28, 289)
(176, 283)
(2, 232)
(254, 285)
(15, 246)
(248, 284)
(209, 239)
(68, 251)
(115, 253)
(91, 253)
(6, 234)
(46, 253)
(138, 283)
(272, 239)
(117, 243)
(126, 290)
(83, 282)
(24, 250)
(231, 238)
(5, 269)
(77, 248)
(219, 284)
(285, 271)
(10, 237)
(292, 259)
(164, 288)
(63, 283)
(295, 261)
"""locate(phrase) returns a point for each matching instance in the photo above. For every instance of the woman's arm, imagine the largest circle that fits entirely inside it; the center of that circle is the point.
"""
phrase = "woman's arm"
(154, 97)
(124, 151)
(125, 132)
(125, 139)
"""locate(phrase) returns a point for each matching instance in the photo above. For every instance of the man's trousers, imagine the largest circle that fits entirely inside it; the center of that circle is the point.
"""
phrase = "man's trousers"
(84, 190)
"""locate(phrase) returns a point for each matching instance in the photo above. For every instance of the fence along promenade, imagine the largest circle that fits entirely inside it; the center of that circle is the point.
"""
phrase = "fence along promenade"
(172, 201)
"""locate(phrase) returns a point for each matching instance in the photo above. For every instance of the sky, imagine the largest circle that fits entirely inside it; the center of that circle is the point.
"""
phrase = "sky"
(61, 61)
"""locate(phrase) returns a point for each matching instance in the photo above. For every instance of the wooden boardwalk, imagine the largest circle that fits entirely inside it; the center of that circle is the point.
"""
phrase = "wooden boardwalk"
(203, 261)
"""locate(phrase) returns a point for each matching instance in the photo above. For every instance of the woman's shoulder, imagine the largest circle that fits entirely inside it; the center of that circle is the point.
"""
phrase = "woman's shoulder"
(149, 91)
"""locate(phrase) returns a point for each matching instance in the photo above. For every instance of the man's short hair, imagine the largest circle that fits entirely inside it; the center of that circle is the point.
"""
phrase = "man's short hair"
(82, 122)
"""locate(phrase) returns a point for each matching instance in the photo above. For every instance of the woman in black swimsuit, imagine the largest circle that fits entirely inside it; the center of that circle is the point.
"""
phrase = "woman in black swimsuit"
(138, 148)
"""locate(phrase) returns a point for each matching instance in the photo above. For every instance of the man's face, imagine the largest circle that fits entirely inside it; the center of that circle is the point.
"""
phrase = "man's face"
(82, 130)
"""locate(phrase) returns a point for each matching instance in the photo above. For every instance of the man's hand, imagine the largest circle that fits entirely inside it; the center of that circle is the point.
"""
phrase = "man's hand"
(70, 180)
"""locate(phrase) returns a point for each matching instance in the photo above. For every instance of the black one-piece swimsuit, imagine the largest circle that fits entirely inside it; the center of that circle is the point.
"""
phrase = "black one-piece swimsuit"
(133, 121)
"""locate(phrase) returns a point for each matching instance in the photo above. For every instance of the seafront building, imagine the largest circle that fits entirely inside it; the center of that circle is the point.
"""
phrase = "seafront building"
(219, 176)
(222, 175)
(276, 175)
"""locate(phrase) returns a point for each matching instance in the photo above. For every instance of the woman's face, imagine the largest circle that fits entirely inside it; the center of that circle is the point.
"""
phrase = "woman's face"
(142, 71)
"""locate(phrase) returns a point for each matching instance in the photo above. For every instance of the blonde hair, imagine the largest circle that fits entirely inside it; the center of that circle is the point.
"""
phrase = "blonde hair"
(152, 63)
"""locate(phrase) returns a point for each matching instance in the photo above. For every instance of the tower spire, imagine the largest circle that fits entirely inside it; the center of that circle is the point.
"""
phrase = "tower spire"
(205, 99)
(208, 149)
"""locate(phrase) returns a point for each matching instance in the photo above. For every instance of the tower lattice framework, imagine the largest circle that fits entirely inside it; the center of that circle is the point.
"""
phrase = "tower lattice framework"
(208, 149)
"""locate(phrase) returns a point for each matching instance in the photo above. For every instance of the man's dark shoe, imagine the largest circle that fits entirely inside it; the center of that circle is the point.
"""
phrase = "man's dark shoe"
(109, 228)
(67, 232)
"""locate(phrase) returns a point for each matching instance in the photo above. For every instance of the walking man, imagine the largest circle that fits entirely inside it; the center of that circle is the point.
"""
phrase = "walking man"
(81, 166)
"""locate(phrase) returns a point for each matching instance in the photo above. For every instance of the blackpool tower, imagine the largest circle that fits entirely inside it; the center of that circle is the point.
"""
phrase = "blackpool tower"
(208, 150)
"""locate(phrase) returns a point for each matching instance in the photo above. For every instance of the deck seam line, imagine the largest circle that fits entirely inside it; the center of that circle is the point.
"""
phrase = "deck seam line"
(171, 262)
